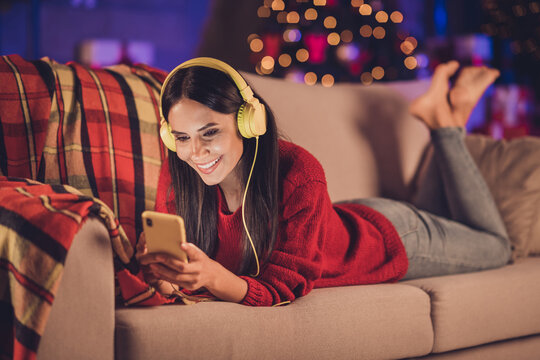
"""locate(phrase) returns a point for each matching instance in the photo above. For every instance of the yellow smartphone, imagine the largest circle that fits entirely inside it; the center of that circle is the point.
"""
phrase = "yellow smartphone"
(164, 233)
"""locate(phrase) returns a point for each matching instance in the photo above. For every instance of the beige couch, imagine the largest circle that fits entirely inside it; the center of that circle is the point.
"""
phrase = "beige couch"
(368, 147)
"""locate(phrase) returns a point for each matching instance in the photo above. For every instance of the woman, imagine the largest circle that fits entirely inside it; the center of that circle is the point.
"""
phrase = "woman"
(302, 239)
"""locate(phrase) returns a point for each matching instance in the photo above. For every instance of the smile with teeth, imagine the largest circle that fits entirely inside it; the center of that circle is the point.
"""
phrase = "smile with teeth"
(206, 167)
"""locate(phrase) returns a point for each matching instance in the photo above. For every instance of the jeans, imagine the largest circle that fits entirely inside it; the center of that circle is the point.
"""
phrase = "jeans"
(454, 225)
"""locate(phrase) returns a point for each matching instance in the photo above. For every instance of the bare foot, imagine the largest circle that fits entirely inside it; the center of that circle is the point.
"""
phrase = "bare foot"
(470, 85)
(433, 107)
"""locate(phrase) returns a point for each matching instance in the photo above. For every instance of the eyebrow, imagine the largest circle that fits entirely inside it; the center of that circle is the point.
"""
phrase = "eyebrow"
(209, 125)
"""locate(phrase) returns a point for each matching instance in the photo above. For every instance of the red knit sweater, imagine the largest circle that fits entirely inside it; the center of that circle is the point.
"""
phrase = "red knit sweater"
(318, 244)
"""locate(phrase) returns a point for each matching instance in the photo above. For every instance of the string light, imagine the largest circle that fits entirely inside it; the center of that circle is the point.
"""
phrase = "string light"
(365, 10)
(293, 17)
(381, 16)
(292, 35)
(284, 60)
(366, 31)
(281, 17)
(251, 37)
(311, 14)
(333, 38)
(319, 2)
(366, 78)
(278, 5)
(410, 62)
(396, 17)
(346, 36)
(357, 3)
(302, 55)
(379, 32)
(267, 63)
(406, 47)
(263, 12)
(377, 72)
(330, 22)
(256, 45)
(327, 80)
(310, 78)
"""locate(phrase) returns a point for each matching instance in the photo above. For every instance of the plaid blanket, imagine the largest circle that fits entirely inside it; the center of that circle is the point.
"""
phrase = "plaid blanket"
(33, 252)
(94, 130)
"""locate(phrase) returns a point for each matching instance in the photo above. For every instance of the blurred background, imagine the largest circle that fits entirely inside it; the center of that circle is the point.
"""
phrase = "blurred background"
(317, 42)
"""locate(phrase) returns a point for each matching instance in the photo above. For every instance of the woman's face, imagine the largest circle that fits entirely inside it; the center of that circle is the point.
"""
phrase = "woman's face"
(207, 140)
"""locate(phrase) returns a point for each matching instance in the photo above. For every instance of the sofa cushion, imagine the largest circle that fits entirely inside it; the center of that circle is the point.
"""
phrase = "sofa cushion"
(372, 321)
(512, 172)
(363, 136)
(483, 307)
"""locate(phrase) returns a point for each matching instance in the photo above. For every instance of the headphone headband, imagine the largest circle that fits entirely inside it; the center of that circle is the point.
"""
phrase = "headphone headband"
(243, 87)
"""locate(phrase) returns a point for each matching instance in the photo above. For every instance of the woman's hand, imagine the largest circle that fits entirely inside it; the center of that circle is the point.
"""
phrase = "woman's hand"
(164, 287)
(199, 272)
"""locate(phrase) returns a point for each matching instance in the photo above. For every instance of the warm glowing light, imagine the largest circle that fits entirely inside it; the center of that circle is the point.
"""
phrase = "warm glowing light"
(406, 47)
(379, 32)
(302, 55)
(365, 9)
(281, 17)
(319, 2)
(278, 5)
(263, 70)
(311, 14)
(285, 60)
(413, 41)
(519, 10)
(381, 16)
(396, 17)
(258, 69)
(251, 37)
(377, 73)
(267, 63)
(357, 3)
(327, 80)
(330, 22)
(293, 17)
(333, 38)
(410, 62)
(310, 78)
(348, 52)
(292, 35)
(346, 36)
(535, 7)
(366, 31)
(256, 45)
(263, 12)
(366, 78)
(268, 3)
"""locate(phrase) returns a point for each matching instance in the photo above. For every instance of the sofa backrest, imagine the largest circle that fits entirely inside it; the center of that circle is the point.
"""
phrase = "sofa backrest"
(363, 136)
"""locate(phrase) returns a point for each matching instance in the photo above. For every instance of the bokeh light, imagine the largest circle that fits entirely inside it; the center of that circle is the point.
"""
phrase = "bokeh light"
(284, 60)
(379, 32)
(377, 72)
(310, 78)
(330, 22)
(311, 14)
(263, 12)
(267, 63)
(302, 55)
(366, 31)
(396, 17)
(346, 36)
(381, 16)
(410, 62)
(365, 9)
(278, 5)
(281, 17)
(256, 45)
(292, 35)
(366, 78)
(327, 80)
(293, 17)
(333, 38)
(357, 3)
(319, 2)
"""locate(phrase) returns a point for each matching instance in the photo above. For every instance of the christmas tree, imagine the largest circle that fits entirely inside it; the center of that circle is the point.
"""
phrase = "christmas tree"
(328, 41)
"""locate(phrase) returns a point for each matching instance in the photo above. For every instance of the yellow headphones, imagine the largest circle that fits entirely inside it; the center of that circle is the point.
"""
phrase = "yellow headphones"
(251, 119)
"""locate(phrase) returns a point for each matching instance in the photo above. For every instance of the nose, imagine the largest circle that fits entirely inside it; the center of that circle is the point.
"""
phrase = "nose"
(198, 150)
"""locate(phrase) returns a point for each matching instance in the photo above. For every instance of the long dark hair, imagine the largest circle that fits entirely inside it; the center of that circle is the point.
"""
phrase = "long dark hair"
(195, 201)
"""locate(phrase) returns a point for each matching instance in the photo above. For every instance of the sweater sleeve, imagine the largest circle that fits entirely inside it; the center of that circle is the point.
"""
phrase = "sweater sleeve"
(296, 261)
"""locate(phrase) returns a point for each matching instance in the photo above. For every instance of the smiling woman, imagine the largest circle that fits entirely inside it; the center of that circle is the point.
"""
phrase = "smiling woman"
(213, 125)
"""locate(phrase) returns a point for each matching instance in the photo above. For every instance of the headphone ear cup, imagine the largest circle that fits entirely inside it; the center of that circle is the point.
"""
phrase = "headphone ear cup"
(166, 136)
(251, 119)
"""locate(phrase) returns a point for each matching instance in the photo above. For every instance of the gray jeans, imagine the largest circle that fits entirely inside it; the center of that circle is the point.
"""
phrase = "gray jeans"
(454, 225)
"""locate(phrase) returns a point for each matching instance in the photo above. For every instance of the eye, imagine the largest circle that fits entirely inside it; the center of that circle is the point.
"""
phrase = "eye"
(211, 132)
(182, 138)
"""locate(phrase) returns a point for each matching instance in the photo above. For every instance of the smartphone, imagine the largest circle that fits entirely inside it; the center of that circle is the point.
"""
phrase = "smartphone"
(164, 233)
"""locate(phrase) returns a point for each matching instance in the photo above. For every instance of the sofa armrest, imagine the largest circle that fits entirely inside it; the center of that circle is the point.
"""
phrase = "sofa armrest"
(81, 322)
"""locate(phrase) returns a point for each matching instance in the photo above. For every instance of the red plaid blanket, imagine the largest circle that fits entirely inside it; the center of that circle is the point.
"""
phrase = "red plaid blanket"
(95, 130)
